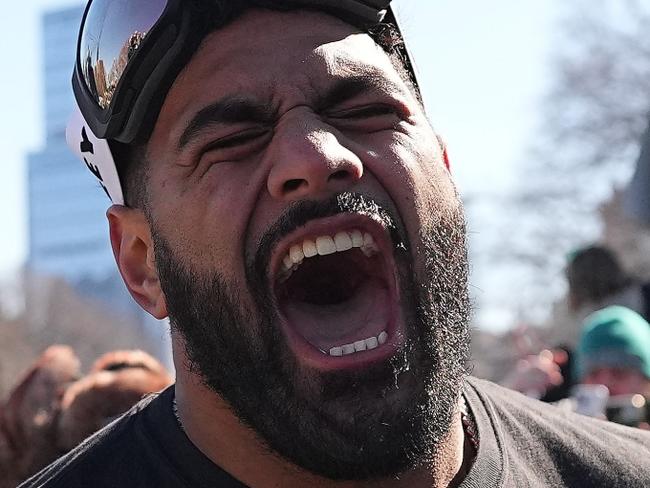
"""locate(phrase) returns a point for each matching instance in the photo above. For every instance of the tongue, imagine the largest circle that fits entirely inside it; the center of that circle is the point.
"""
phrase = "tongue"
(363, 315)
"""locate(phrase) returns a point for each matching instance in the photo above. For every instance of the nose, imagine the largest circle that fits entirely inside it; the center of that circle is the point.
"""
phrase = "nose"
(309, 160)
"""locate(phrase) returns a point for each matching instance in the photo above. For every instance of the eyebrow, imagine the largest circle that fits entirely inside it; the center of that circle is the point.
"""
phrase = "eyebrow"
(350, 87)
(238, 109)
(230, 110)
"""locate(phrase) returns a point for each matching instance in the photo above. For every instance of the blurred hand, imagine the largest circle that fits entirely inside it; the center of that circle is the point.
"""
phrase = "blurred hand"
(534, 375)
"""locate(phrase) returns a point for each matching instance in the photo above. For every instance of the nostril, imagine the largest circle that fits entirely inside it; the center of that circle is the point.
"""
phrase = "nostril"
(292, 185)
(339, 175)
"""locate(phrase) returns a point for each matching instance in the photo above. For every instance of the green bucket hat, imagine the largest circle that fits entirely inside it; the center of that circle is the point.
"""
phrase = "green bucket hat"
(614, 336)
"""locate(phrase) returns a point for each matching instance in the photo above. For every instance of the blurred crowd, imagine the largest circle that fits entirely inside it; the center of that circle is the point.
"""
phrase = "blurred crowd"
(607, 375)
(54, 406)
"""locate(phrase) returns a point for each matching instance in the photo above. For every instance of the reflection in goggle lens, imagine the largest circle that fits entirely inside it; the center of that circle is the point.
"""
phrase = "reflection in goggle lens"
(112, 33)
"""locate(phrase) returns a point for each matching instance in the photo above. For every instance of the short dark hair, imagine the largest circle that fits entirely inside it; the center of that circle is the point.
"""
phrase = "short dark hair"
(594, 273)
(132, 167)
(131, 161)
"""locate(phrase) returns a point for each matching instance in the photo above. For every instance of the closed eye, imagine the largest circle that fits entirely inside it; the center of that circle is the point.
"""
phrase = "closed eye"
(237, 146)
(364, 112)
(234, 148)
(366, 119)
(238, 139)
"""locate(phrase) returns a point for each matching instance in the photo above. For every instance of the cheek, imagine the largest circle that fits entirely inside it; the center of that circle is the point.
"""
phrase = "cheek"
(203, 220)
(419, 167)
(225, 183)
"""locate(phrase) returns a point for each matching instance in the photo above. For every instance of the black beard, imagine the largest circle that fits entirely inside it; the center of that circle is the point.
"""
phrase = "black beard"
(380, 422)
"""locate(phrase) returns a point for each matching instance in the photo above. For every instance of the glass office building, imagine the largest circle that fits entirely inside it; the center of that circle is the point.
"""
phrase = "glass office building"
(68, 231)
(67, 227)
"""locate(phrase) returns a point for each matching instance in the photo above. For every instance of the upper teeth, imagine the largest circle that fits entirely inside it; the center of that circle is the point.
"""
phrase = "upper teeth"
(325, 245)
(358, 346)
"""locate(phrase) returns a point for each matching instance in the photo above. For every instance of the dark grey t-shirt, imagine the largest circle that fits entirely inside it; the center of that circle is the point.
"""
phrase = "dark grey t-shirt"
(526, 443)
(523, 443)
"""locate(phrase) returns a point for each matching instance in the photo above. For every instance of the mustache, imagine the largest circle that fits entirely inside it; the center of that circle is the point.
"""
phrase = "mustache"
(300, 213)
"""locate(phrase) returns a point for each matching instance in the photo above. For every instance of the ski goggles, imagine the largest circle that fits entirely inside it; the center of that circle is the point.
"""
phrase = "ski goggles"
(130, 52)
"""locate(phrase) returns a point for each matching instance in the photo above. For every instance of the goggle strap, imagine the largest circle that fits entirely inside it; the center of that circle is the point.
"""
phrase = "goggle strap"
(96, 154)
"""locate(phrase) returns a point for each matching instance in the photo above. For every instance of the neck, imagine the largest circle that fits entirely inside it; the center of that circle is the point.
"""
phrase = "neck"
(217, 432)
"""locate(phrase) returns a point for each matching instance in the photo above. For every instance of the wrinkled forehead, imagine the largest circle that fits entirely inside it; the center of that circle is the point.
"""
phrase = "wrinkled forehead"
(276, 52)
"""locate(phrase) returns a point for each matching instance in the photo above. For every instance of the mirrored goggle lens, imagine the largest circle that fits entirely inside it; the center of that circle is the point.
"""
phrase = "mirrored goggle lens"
(112, 33)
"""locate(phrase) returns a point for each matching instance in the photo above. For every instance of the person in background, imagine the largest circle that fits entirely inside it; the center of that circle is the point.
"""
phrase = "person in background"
(54, 407)
(596, 280)
(614, 351)
(544, 376)
(563, 357)
(116, 381)
(28, 414)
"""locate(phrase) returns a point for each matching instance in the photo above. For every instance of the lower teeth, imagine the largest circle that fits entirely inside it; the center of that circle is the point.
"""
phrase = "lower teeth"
(359, 346)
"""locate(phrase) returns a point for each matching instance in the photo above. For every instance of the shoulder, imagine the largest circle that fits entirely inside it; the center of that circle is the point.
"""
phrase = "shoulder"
(562, 445)
(110, 453)
(522, 413)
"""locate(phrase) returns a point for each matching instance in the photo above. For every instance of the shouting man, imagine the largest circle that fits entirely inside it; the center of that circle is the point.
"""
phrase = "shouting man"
(279, 193)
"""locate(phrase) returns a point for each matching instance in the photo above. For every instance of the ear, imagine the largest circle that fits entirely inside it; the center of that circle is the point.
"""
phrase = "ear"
(445, 153)
(135, 258)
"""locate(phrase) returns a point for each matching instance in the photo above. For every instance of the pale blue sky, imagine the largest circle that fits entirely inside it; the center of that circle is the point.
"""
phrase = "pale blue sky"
(483, 68)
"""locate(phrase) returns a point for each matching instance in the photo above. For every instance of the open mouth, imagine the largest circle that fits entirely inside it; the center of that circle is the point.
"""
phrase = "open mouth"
(335, 287)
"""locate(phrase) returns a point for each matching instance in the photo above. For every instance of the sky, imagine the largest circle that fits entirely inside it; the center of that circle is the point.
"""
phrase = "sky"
(483, 68)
